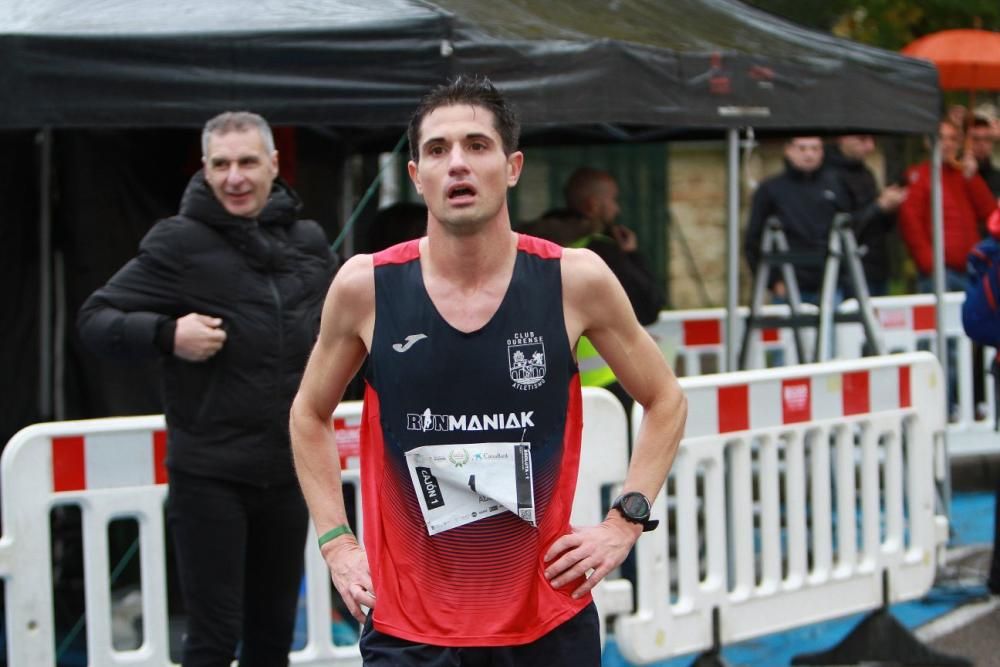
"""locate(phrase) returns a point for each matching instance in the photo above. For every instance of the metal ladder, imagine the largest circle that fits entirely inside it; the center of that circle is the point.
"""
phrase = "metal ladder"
(841, 246)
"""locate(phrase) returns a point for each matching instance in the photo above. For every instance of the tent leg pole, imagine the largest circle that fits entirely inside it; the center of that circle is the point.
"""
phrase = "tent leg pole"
(44, 141)
(732, 246)
(937, 225)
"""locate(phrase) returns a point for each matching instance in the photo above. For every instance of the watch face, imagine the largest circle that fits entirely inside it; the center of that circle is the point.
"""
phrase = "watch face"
(635, 505)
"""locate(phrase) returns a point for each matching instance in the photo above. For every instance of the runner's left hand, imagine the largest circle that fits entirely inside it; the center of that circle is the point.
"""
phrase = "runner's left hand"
(595, 549)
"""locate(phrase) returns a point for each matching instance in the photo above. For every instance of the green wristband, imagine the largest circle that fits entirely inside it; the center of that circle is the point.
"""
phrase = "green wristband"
(333, 533)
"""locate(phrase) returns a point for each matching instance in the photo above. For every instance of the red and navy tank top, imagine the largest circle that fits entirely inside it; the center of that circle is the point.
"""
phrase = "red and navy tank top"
(514, 380)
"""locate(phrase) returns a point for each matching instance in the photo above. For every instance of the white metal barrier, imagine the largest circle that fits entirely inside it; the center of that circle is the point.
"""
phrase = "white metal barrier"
(793, 492)
(110, 469)
(908, 323)
(771, 464)
(113, 469)
(795, 489)
(693, 341)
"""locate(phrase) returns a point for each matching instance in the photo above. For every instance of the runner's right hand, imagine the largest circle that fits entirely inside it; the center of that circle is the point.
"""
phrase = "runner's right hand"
(351, 576)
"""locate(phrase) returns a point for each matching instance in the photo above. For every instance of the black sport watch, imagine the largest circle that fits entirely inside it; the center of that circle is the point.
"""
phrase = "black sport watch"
(634, 507)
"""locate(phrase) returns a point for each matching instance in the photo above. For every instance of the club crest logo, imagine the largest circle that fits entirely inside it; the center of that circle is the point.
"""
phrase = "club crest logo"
(526, 360)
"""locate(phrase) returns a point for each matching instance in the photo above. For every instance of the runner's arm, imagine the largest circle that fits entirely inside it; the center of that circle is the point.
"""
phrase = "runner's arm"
(596, 306)
(345, 333)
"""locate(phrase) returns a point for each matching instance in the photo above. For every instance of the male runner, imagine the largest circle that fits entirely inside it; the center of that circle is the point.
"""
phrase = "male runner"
(472, 421)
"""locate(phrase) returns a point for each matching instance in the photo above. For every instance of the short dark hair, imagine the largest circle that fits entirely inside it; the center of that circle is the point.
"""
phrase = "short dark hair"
(581, 184)
(468, 90)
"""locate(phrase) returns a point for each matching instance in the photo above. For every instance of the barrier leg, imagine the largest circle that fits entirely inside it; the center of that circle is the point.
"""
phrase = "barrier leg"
(712, 657)
(995, 372)
(880, 638)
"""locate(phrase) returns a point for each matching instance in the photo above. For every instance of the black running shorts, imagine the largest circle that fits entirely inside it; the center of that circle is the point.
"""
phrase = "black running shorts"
(575, 643)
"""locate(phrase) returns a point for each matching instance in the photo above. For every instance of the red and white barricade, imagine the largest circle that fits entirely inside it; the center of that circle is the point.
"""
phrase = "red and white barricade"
(694, 341)
(908, 324)
(113, 469)
(794, 491)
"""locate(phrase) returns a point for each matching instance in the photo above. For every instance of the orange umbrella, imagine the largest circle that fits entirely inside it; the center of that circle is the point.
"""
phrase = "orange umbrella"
(965, 59)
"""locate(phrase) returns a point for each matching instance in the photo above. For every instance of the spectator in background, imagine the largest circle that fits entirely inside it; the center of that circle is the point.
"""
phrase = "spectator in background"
(957, 114)
(590, 221)
(228, 294)
(593, 195)
(981, 138)
(966, 202)
(873, 212)
(982, 134)
(805, 197)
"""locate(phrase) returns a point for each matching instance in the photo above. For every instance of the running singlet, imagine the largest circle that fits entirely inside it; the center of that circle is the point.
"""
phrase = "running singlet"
(449, 421)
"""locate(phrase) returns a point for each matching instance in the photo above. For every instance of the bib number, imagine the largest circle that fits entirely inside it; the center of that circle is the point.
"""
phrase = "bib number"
(459, 484)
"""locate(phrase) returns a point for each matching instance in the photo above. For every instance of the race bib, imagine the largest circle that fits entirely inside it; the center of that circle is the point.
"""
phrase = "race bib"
(459, 484)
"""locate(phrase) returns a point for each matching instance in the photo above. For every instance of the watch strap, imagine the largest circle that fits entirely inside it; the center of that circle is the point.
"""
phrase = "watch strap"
(647, 524)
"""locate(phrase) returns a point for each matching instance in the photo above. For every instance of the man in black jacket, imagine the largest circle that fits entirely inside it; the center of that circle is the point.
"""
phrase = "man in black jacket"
(804, 198)
(873, 213)
(228, 293)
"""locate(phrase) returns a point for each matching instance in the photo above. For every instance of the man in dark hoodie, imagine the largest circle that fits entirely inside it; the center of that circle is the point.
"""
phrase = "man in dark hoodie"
(228, 293)
(804, 198)
(873, 212)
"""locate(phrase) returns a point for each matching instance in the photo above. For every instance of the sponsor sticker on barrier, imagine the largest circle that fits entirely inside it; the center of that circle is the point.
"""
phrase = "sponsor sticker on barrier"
(348, 437)
(459, 484)
(892, 318)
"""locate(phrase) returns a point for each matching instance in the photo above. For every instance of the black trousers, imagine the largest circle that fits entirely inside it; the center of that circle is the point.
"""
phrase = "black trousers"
(239, 551)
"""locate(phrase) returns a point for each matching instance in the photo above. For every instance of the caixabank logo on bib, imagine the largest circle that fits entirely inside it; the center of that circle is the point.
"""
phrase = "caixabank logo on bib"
(526, 359)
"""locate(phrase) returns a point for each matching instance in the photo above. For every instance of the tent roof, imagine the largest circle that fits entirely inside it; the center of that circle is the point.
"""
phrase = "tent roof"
(633, 67)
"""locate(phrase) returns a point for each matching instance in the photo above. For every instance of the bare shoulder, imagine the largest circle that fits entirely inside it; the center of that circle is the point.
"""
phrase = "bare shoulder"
(350, 302)
(592, 295)
(356, 276)
(584, 276)
(344, 336)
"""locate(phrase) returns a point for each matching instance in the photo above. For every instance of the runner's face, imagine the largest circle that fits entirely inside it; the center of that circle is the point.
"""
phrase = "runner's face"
(240, 171)
(463, 173)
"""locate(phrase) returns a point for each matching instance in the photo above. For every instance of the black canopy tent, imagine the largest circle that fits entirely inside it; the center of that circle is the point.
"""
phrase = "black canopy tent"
(585, 70)
(644, 64)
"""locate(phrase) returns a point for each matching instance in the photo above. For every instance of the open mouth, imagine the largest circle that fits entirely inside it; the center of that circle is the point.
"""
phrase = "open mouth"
(461, 192)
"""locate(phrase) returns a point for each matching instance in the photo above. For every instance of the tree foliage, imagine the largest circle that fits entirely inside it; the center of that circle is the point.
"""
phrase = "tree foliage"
(890, 24)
